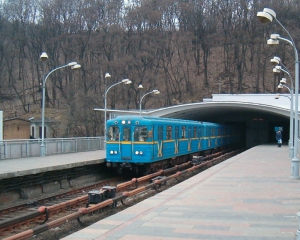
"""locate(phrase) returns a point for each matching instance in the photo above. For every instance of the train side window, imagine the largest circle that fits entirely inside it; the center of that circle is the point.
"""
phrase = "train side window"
(140, 134)
(113, 133)
(169, 132)
(200, 131)
(176, 132)
(183, 132)
(189, 133)
(195, 132)
(160, 133)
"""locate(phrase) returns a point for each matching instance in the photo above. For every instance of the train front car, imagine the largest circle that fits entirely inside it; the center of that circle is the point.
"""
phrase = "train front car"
(146, 144)
(129, 143)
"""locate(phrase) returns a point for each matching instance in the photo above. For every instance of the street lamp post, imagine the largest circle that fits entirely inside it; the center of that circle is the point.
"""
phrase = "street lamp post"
(291, 145)
(267, 15)
(153, 91)
(278, 69)
(107, 75)
(125, 81)
(73, 65)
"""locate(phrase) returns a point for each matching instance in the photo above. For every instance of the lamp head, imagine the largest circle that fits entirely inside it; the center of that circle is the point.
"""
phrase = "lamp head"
(156, 92)
(280, 86)
(277, 69)
(44, 56)
(72, 64)
(275, 60)
(274, 36)
(140, 86)
(128, 82)
(107, 75)
(273, 41)
(76, 66)
(283, 81)
(266, 15)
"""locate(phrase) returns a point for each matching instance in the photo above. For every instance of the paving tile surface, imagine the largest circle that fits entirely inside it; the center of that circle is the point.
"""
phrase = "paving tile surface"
(250, 196)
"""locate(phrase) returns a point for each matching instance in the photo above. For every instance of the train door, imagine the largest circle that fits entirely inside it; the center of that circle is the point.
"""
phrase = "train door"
(208, 134)
(216, 132)
(160, 142)
(151, 139)
(126, 144)
(200, 132)
(189, 136)
(176, 139)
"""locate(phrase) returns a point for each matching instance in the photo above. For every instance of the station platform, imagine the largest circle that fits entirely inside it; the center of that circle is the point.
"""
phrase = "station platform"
(17, 167)
(249, 196)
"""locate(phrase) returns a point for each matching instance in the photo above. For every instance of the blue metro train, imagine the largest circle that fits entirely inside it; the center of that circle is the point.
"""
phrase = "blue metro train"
(146, 144)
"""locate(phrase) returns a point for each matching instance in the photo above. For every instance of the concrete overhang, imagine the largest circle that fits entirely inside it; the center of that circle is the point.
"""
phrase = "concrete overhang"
(220, 111)
(223, 108)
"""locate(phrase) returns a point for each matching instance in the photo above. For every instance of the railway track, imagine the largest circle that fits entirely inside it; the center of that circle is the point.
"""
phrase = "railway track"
(24, 222)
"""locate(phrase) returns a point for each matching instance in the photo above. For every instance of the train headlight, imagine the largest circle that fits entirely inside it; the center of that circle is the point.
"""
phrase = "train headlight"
(112, 152)
(115, 152)
(141, 152)
(137, 152)
(123, 121)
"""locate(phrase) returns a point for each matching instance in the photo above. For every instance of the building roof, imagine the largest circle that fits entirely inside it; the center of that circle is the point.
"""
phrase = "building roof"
(39, 120)
(15, 118)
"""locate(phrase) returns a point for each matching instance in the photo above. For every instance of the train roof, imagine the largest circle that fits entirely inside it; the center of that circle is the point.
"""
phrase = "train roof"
(149, 120)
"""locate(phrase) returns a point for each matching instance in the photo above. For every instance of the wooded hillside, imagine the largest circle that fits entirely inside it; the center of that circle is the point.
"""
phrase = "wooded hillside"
(187, 49)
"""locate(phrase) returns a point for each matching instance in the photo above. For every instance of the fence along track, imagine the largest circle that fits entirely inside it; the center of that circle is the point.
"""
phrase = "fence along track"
(31, 147)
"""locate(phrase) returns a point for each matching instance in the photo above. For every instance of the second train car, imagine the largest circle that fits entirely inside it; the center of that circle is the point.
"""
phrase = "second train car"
(147, 144)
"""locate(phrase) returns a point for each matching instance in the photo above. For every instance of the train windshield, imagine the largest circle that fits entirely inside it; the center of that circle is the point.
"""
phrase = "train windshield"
(141, 134)
(126, 134)
(113, 133)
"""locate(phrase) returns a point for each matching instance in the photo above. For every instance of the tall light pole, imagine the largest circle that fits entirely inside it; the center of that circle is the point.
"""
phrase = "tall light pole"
(153, 91)
(125, 81)
(73, 65)
(107, 75)
(267, 15)
(278, 69)
(291, 145)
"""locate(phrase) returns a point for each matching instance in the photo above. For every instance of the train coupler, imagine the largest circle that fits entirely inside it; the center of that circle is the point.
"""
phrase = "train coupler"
(125, 165)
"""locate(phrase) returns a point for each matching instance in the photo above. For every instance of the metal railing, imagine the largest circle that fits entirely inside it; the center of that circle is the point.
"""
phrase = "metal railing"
(19, 148)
